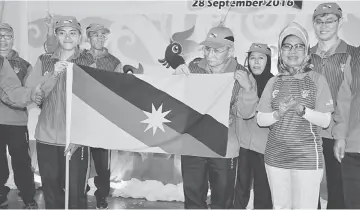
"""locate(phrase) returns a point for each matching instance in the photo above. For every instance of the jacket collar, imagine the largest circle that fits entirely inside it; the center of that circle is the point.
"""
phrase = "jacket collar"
(103, 53)
(339, 47)
(13, 55)
(57, 53)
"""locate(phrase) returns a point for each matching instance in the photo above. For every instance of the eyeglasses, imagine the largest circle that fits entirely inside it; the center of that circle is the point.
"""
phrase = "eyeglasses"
(6, 37)
(216, 51)
(289, 47)
(71, 35)
(98, 36)
(326, 23)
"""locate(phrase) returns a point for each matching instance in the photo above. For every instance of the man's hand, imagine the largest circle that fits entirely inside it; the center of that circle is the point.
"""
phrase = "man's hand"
(243, 78)
(49, 22)
(71, 149)
(60, 67)
(37, 94)
(339, 149)
(182, 69)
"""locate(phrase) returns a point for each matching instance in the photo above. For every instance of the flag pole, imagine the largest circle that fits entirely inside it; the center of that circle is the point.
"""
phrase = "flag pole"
(69, 81)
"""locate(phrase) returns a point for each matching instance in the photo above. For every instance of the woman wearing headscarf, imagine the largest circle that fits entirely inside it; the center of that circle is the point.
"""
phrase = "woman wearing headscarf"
(253, 138)
(295, 104)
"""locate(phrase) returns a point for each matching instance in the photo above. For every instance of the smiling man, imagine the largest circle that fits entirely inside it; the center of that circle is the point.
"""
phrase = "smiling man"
(331, 56)
(101, 59)
(50, 130)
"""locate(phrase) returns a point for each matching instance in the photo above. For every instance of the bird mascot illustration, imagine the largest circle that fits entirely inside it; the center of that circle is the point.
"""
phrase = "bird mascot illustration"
(178, 48)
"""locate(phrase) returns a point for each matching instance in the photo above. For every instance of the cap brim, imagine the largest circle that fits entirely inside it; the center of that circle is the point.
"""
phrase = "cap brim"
(104, 30)
(265, 52)
(68, 25)
(6, 28)
(211, 44)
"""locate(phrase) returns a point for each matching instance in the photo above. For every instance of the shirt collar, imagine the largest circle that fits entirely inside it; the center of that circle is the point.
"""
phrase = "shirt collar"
(56, 54)
(103, 53)
(296, 76)
(339, 47)
(229, 67)
(13, 55)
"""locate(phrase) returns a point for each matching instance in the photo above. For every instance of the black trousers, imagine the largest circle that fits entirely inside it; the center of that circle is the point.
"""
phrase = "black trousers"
(252, 168)
(333, 176)
(197, 172)
(16, 138)
(350, 168)
(52, 170)
(102, 180)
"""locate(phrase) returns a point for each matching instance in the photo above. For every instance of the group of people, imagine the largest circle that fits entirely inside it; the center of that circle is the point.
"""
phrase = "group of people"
(283, 130)
(44, 84)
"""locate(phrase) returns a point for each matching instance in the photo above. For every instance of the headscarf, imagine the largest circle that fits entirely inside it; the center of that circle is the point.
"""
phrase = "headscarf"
(263, 78)
(294, 29)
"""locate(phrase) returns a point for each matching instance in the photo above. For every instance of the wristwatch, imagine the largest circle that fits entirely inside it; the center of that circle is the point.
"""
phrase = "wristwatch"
(302, 112)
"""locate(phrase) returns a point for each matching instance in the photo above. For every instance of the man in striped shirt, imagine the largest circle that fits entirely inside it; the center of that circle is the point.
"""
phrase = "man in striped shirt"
(330, 57)
(102, 59)
(220, 172)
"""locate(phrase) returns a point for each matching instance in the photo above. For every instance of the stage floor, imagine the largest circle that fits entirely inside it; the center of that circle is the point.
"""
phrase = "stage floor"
(114, 202)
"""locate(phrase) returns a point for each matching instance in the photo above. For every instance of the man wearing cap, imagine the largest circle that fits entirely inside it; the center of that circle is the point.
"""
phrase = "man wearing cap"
(50, 130)
(102, 59)
(220, 172)
(13, 120)
(330, 56)
(97, 34)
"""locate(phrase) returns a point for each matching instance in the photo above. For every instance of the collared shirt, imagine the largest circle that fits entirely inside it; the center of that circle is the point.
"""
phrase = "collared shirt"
(20, 66)
(333, 49)
(104, 60)
(14, 97)
(332, 65)
(293, 141)
(51, 125)
(57, 54)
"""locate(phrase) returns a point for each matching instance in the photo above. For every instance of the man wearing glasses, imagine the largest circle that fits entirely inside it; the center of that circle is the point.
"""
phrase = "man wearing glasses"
(13, 123)
(330, 57)
(220, 172)
(102, 59)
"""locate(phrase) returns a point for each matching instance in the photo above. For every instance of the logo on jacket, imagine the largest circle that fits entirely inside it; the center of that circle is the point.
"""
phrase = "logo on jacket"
(305, 93)
(342, 67)
(274, 93)
(16, 70)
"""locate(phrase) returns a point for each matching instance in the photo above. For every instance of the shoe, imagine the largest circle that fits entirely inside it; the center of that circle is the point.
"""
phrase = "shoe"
(101, 203)
(31, 205)
(3, 198)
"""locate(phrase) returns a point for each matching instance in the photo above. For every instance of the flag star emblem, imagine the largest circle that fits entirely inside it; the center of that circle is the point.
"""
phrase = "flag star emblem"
(156, 119)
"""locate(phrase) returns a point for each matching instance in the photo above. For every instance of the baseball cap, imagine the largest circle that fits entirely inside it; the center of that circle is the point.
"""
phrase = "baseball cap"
(328, 8)
(96, 27)
(218, 37)
(68, 21)
(261, 48)
(6, 26)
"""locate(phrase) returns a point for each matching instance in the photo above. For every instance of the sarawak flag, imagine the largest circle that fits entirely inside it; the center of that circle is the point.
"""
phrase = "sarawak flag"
(176, 114)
